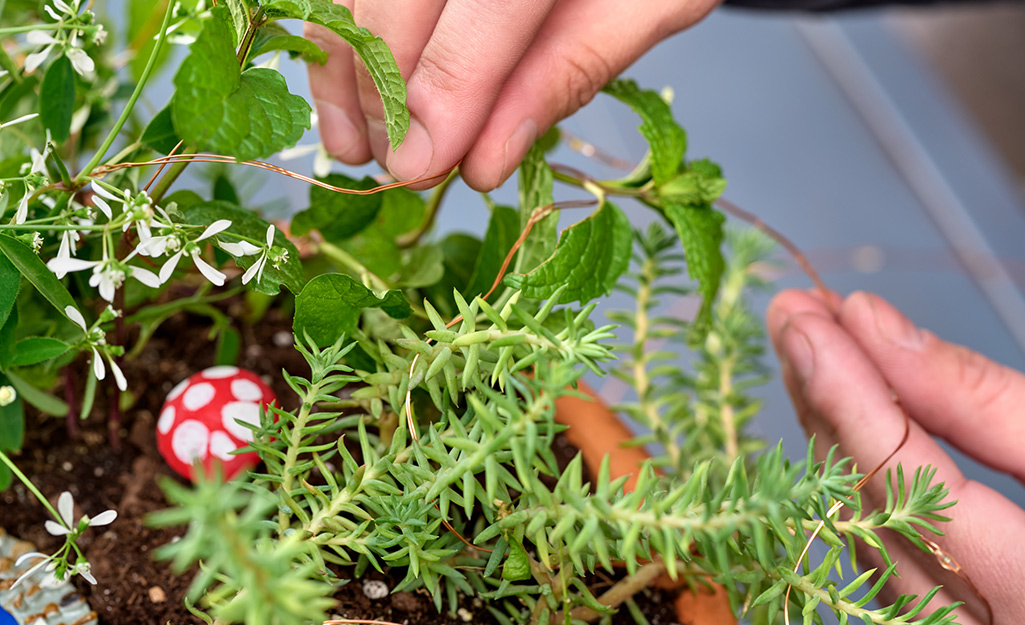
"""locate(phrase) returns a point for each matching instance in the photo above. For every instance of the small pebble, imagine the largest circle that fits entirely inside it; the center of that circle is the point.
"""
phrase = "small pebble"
(157, 594)
(465, 614)
(375, 589)
(282, 339)
(67, 466)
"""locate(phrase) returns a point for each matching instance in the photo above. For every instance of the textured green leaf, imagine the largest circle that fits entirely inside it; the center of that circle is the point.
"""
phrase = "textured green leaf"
(57, 98)
(36, 349)
(700, 229)
(10, 282)
(536, 191)
(376, 56)
(294, 45)
(590, 257)
(692, 188)
(330, 305)
(160, 133)
(517, 565)
(401, 211)
(339, 216)
(247, 115)
(503, 230)
(667, 140)
(246, 223)
(239, 19)
(26, 261)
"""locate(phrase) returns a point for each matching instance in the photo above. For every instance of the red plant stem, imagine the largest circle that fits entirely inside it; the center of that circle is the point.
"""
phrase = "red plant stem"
(71, 423)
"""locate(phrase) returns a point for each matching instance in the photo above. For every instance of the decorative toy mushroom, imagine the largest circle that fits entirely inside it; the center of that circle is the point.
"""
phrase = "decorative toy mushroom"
(202, 419)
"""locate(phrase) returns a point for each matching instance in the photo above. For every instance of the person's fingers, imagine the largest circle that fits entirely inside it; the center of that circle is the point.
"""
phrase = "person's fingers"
(473, 48)
(343, 130)
(406, 27)
(582, 45)
(953, 392)
(844, 398)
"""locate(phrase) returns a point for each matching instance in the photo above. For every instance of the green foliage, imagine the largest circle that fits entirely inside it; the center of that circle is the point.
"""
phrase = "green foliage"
(588, 260)
(330, 305)
(57, 98)
(248, 114)
(422, 442)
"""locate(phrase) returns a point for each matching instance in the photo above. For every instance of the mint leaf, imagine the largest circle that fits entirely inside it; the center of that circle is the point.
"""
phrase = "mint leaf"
(246, 223)
(247, 115)
(667, 139)
(57, 98)
(700, 229)
(339, 216)
(10, 282)
(28, 264)
(536, 191)
(294, 45)
(401, 211)
(160, 133)
(376, 56)
(590, 257)
(503, 230)
(330, 306)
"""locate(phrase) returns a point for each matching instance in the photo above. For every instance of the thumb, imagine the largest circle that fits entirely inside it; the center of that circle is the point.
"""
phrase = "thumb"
(953, 392)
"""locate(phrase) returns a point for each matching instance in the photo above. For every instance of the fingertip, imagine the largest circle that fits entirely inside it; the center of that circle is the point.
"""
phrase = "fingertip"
(343, 139)
(878, 324)
(787, 304)
(490, 162)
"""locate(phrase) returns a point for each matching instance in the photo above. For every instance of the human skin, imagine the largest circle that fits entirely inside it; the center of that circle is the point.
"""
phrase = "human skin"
(485, 78)
(839, 372)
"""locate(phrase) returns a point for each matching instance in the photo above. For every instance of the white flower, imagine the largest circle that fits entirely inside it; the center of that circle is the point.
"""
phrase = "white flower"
(80, 61)
(84, 569)
(107, 276)
(257, 268)
(66, 508)
(19, 120)
(211, 274)
(7, 395)
(22, 213)
(45, 559)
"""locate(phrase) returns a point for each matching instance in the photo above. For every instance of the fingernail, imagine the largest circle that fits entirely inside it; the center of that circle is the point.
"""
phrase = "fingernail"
(895, 327)
(798, 352)
(414, 156)
(336, 129)
(516, 148)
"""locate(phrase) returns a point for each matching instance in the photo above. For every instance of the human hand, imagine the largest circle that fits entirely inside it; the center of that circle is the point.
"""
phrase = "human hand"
(837, 372)
(485, 79)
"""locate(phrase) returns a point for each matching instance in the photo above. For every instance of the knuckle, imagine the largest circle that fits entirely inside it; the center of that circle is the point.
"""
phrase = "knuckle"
(448, 73)
(587, 71)
(986, 382)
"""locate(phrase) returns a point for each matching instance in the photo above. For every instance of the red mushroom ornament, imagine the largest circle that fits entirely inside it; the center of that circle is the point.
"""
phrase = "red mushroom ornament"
(200, 421)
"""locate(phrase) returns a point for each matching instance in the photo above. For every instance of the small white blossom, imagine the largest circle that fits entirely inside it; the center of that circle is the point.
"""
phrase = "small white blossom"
(80, 61)
(7, 395)
(66, 508)
(257, 268)
(19, 120)
(44, 561)
(193, 250)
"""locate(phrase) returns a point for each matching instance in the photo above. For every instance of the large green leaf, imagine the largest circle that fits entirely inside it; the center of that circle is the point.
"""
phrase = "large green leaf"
(10, 282)
(36, 349)
(401, 211)
(26, 261)
(330, 305)
(57, 98)
(503, 230)
(248, 114)
(376, 56)
(590, 257)
(535, 192)
(701, 231)
(160, 133)
(339, 216)
(667, 139)
(248, 224)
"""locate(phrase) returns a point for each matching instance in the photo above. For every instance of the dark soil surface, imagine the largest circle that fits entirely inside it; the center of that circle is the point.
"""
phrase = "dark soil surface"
(133, 589)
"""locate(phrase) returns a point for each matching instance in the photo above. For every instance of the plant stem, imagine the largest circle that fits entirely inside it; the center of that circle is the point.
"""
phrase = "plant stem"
(623, 590)
(348, 261)
(430, 211)
(116, 130)
(29, 485)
